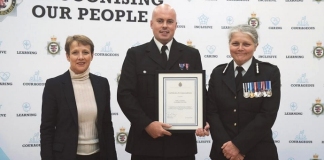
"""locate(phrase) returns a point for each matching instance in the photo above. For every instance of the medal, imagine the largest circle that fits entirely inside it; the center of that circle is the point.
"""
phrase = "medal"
(260, 89)
(252, 90)
(187, 66)
(264, 89)
(246, 90)
(269, 92)
(181, 65)
(255, 90)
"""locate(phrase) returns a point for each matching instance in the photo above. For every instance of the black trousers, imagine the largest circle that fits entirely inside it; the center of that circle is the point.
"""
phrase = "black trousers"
(95, 156)
(137, 157)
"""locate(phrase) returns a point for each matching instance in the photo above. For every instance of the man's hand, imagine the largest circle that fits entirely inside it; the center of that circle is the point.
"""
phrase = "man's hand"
(156, 129)
(203, 132)
(230, 150)
(238, 157)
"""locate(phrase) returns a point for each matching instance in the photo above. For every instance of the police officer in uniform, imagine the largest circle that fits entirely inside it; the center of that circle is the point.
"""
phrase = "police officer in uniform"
(243, 101)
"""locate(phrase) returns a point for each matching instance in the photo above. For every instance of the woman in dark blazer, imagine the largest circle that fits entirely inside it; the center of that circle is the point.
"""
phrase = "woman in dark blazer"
(76, 118)
(243, 101)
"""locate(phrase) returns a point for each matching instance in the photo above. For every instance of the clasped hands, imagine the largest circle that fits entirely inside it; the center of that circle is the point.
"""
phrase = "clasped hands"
(158, 129)
(231, 152)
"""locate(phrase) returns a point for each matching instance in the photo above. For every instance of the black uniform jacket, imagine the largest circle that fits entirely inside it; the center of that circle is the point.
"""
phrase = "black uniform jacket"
(137, 99)
(59, 126)
(246, 122)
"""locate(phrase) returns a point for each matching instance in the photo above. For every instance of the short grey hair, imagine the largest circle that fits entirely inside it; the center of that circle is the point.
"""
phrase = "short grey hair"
(244, 28)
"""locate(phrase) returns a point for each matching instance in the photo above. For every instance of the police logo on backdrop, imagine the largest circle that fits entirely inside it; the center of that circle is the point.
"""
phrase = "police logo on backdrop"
(275, 21)
(34, 80)
(34, 141)
(122, 136)
(2, 114)
(294, 53)
(189, 43)
(6, 6)
(267, 50)
(293, 107)
(211, 50)
(318, 51)
(302, 82)
(53, 47)
(26, 107)
(3, 155)
(291, 158)
(274, 136)
(300, 138)
(229, 21)
(318, 107)
(2, 51)
(315, 157)
(303, 25)
(203, 20)
(27, 45)
(254, 21)
(4, 76)
(107, 51)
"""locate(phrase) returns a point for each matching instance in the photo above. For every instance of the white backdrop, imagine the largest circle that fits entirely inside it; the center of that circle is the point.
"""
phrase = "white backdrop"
(289, 31)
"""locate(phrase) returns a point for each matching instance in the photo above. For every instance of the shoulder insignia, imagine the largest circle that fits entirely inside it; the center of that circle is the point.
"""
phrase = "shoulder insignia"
(267, 63)
(221, 65)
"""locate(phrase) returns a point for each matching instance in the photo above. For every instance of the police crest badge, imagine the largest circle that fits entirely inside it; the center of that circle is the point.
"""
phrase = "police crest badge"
(317, 108)
(122, 136)
(254, 21)
(318, 51)
(53, 47)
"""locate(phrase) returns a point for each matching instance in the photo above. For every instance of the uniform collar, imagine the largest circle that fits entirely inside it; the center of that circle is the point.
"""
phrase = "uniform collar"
(159, 44)
(245, 66)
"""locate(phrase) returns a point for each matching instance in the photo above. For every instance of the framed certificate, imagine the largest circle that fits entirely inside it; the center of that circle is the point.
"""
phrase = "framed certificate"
(180, 98)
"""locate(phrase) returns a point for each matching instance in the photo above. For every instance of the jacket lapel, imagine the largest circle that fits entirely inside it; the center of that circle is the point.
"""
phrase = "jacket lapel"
(154, 53)
(174, 54)
(228, 77)
(97, 90)
(69, 95)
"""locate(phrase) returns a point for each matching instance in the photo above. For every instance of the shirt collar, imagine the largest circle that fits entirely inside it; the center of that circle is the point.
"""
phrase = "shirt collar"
(245, 66)
(159, 44)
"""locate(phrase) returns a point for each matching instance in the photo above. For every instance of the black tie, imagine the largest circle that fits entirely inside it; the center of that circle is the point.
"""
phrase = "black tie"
(238, 78)
(163, 54)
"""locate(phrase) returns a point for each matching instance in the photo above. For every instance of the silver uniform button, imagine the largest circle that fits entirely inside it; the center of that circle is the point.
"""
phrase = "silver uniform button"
(235, 97)
(234, 124)
(234, 110)
(144, 71)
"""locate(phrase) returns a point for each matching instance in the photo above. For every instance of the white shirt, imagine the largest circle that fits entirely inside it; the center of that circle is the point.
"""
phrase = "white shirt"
(159, 45)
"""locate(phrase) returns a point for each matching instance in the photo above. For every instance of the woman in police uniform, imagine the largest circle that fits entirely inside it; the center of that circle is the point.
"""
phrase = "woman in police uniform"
(242, 107)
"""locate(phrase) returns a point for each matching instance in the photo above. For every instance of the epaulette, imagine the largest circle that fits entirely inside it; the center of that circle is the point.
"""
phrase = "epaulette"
(257, 66)
(222, 65)
(267, 63)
